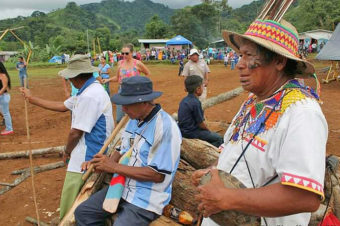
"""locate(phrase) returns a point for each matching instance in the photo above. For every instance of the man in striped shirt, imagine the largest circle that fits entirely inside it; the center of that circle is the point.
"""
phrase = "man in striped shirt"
(156, 140)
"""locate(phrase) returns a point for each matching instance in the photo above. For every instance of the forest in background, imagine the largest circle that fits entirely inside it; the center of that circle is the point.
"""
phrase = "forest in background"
(115, 22)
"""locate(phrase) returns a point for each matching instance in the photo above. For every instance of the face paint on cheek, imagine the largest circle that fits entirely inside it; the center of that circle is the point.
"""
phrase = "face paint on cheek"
(254, 62)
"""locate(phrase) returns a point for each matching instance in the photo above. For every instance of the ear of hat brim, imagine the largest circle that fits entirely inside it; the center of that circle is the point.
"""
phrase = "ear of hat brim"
(67, 73)
(233, 40)
(126, 100)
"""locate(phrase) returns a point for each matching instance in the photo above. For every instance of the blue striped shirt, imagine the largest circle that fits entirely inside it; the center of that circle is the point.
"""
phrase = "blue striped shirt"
(157, 144)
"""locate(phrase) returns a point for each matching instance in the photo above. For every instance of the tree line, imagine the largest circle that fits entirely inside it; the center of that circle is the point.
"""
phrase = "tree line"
(115, 22)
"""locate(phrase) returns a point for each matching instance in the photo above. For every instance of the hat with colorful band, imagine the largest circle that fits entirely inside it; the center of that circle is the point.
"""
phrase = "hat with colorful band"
(281, 38)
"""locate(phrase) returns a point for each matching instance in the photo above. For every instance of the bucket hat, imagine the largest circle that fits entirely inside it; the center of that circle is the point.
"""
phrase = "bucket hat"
(135, 89)
(78, 64)
(279, 37)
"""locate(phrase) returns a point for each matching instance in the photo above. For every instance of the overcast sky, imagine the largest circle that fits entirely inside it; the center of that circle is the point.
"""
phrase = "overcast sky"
(14, 8)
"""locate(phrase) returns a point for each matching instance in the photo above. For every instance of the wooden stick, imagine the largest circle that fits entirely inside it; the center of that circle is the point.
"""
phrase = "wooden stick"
(42, 168)
(3, 34)
(7, 184)
(273, 10)
(266, 6)
(17, 181)
(25, 154)
(285, 9)
(35, 222)
(25, 173)
(31, 157)
(12, 29)
(122, 122)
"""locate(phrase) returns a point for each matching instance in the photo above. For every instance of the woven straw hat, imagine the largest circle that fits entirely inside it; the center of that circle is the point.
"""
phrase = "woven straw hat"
(281, 38)
(78, 64)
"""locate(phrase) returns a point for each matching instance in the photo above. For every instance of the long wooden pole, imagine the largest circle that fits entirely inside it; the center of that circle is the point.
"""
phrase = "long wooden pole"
(3, 34)
(31, 157)
(106, 144)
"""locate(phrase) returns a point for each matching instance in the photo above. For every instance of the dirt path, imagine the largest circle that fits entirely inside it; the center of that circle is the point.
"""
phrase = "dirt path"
(51, 129)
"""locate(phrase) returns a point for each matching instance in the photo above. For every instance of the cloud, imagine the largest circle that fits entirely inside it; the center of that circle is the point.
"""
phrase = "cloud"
(10, 8)
(12, 13)
(178, 3)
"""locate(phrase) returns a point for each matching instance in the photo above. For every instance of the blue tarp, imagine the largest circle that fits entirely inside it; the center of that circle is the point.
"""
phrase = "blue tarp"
(178, 40)
(55, 59)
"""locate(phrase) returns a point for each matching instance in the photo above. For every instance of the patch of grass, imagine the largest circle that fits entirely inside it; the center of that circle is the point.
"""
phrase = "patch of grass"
(34, 73)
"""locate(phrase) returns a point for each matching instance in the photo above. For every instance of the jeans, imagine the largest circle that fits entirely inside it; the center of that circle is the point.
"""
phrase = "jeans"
(4, 108)
(232, 67)
(206, 135)
(91, 212)
(22, 78)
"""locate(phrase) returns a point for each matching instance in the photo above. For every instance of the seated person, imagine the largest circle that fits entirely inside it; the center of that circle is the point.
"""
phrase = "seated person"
(156, 142)
(191, 115)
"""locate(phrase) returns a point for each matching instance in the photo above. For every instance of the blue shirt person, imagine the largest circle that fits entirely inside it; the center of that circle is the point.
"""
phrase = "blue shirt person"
(155, 141)
(104, 72)
(21, 67)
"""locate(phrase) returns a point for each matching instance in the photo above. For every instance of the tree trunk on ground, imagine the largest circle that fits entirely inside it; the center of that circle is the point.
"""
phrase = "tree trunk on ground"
(198, 153)
(25, 173)
(17, 181)
(25, 154)
(35, 222)
(183, 191)
(42, 168)
(222, 97)
(217, 99)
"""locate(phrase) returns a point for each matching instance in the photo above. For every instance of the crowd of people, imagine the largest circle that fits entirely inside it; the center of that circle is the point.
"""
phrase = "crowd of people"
(306, 47)
(275, 144)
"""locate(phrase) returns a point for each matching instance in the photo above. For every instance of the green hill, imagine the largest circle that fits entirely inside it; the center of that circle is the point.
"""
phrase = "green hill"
(115, 22)
(68, 26)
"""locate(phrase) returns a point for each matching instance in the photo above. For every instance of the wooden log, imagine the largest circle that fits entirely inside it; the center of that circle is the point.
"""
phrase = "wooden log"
(183, 191)
(222, 97)
(17, 181)
(200, 154)
(35, 222)
(217, 99)
(42, 168)
(6, 184)
(317, 215)
(25, 173)
(25, 154)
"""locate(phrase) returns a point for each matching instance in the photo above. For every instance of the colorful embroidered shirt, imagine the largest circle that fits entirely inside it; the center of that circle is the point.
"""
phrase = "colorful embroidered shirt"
(291, 144)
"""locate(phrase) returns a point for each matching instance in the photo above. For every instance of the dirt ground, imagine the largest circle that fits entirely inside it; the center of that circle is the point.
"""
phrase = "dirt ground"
(50, 129)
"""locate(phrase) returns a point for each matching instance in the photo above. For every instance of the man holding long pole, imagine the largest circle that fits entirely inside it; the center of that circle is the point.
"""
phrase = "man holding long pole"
(92, 122)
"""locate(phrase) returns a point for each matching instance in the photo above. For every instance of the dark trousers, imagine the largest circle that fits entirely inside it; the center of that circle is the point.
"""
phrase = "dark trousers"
(206, 135)
(180, 71)
(91, 213)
